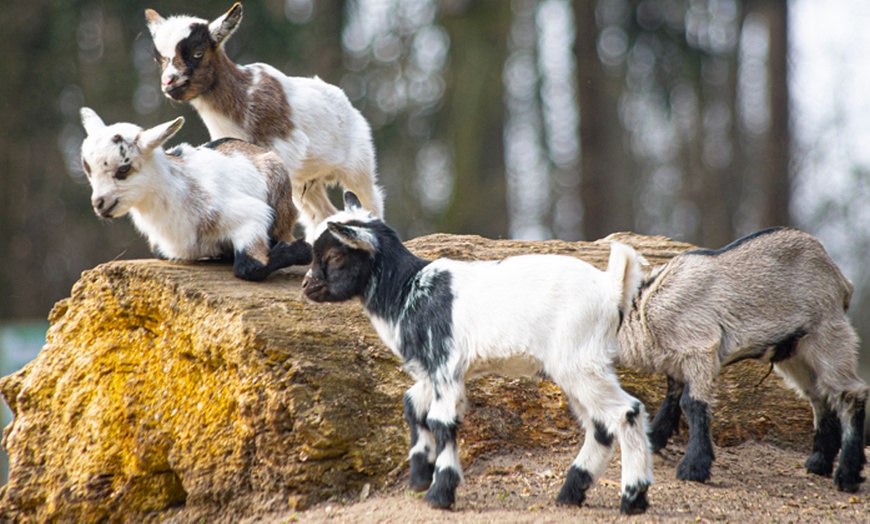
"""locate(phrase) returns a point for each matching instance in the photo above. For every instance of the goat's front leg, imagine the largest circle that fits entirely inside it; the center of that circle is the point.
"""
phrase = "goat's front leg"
(422, 455)
(699, 457)
(443, 419)
(258, 261)
(667, 419)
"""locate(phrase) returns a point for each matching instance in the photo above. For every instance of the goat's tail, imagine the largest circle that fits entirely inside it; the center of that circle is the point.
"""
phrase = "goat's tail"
(626, 274)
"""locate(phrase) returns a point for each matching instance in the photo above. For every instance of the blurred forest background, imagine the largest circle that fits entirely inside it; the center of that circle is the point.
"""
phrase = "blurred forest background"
(702, 120)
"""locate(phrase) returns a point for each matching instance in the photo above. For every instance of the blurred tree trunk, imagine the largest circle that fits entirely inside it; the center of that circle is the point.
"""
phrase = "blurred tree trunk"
(605, 186)
(777, 186)
(475, 116)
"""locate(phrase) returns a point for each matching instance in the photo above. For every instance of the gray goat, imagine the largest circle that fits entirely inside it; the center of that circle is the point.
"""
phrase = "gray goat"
(776, 296)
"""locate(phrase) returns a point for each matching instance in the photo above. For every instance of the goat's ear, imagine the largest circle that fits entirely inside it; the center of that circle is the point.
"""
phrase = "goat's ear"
(91, 120)
(153, 19)
(222, 27)
(353, 236)
(351, 201)
(150, 139)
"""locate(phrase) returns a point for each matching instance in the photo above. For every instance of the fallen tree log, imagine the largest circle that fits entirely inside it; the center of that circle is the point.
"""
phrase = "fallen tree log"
(174, 390)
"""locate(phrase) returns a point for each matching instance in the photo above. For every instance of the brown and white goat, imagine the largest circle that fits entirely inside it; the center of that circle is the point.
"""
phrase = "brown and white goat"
(310, 124)
(775, 296)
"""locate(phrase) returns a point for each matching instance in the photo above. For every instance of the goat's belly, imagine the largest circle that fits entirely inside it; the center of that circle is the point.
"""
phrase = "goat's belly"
(513, 366)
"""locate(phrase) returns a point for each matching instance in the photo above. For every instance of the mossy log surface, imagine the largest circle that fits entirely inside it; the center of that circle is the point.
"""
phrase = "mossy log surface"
(176, 391)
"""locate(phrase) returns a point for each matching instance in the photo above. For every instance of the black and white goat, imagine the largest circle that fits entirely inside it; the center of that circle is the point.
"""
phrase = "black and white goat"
(524, 315)
(775, 296)
(310, 124)
(228, 197)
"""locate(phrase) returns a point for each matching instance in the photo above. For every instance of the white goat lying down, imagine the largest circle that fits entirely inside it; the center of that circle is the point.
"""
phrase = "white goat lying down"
(226, 198)
(525, 315)
(310, 124)
(775, 296)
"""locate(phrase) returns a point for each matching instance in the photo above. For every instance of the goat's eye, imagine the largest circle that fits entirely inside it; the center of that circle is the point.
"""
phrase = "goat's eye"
(122, 172)
(198, 55)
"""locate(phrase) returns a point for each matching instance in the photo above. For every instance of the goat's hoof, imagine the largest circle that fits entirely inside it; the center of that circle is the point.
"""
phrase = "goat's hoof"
(442, 492)
(693, 472)
(634, 500)
(573, 491)
(819, 465)
(440, 498)
(848, 482)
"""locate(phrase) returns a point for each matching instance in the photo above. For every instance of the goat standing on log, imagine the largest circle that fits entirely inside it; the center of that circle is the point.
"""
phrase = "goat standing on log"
(775, 296)
(310, 124)
(228, 197)
(524, 315)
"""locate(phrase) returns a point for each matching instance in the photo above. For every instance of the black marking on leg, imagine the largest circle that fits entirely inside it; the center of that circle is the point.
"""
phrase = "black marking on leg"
(442, 492)
(631, 416)
(421, 472)
(667, 419)
(634, 499)
(602, 436)
(826, 444)
(848, 476)
(411, 418)
(281, 255)
(443, 432)
(699, 457)
(573, 491)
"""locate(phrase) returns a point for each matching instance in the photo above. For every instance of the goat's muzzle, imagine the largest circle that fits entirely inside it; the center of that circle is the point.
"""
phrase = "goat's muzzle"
(104, 207)
(313, 287)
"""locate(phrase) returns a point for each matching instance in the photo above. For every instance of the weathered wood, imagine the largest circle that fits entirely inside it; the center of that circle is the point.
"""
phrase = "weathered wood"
(177, 390)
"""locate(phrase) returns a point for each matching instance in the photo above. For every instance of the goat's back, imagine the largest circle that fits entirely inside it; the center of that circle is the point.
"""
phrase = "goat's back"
(760, 288)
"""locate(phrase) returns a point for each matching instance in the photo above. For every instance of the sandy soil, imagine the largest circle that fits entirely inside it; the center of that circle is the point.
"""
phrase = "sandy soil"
(753, 482)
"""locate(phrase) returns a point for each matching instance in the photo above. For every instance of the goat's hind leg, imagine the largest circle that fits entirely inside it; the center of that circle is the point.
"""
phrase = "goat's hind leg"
(667, 419)
(613, 413)
(699, 455)
(851, 408)
(422, 455)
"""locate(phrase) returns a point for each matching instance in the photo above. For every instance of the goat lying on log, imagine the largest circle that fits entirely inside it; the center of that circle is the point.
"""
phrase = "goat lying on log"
(775, 296)
(524, 315)
(310, 124)
(226, 198)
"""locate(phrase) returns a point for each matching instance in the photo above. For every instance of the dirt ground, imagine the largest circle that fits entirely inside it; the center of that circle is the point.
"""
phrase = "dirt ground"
(752, 482)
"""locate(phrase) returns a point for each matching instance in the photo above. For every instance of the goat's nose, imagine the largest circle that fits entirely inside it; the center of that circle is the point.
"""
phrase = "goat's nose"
(98, 203)
(307, 280)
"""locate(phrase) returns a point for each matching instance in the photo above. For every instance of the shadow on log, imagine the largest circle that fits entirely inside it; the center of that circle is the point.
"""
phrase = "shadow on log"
(169, 390)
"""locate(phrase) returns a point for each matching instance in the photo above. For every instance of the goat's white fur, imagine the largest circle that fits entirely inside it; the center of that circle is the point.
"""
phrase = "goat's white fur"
(167, 198)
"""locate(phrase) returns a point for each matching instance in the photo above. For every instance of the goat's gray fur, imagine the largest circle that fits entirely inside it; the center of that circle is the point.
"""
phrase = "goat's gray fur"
(775, 296)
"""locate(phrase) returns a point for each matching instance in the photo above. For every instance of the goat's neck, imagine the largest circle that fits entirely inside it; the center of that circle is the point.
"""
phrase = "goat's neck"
(392, 282)
(169, 189)
(223, 108)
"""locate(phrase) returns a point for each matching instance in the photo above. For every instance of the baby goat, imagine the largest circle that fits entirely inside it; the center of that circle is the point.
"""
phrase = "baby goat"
(524, 315)
(310, 124)
(228, 197)
(775, 296)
